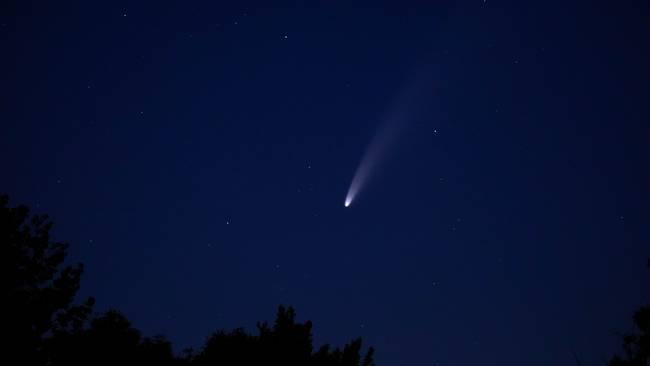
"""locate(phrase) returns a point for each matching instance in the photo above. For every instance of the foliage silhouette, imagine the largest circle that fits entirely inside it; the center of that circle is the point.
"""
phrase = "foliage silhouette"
(108, 340)
(636, 347)
(45, 328)
(286, 343)
(39, 290)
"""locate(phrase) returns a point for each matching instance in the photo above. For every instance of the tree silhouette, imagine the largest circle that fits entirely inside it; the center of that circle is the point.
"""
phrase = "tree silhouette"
(636, 347)
(108, 340)
(286, 343)
(43, 327)
(39, 290)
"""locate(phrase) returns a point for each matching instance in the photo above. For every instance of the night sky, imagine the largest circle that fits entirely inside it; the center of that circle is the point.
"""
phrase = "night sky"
(196, 155)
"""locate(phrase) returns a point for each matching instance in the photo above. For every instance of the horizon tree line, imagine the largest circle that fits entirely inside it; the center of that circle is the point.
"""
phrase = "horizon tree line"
(43, 326)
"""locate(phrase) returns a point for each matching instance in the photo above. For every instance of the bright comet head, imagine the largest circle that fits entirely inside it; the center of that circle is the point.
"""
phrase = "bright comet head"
(347, 202)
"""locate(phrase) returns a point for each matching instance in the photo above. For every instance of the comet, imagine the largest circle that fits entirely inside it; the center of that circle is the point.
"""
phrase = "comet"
(374, 154)
(401, 111)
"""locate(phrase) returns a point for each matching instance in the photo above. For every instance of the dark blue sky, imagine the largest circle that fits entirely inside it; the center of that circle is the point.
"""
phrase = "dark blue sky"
(196, 156)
